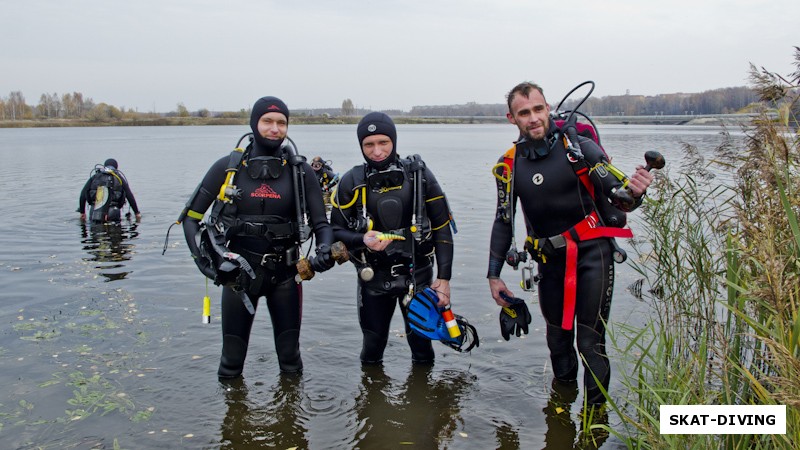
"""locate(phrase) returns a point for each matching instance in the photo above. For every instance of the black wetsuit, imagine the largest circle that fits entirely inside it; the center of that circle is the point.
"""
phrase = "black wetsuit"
(121, 191)
(262, 201)
(325, 175)
(392, 210)
(553, 200)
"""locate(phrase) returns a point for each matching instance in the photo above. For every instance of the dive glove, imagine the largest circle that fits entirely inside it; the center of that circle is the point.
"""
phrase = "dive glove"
(514, 319)
(323, 259)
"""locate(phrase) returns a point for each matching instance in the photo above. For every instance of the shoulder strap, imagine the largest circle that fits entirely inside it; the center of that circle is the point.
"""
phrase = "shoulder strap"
(228, 190)
(420, 225)
(569, 131)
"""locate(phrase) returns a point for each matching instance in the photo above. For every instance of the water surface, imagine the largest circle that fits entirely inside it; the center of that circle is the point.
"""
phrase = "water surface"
(102, 340)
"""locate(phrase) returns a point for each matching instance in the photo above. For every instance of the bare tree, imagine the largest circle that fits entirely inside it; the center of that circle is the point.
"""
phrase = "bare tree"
(347, 108)
(16, 105)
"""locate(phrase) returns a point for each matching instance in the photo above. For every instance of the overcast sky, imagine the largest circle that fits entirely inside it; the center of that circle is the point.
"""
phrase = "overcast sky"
(384, 54)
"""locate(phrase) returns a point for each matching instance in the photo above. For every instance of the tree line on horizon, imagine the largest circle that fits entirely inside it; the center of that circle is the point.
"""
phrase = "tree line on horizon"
(76, 105)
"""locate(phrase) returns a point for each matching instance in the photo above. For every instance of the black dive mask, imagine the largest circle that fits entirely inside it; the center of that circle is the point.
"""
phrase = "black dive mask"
(265, 167)
(537, 149)
(391, 177)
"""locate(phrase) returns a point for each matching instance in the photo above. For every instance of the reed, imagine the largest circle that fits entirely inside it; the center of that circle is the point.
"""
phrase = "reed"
(721, 267)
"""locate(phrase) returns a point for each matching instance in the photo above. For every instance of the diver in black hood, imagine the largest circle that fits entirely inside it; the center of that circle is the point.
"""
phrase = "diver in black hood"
(392, 215)
(106, 191)
(255, 213)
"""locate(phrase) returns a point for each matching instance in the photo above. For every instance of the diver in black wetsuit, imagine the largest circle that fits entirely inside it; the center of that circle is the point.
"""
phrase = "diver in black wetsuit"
(324, 172)
(553, 201)
(379, 197)
(113, 187)
(260, 224)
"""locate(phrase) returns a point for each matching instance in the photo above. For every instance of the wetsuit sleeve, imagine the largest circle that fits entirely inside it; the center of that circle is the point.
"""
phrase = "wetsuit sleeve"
(316, 207)
(84, 197)
(201, 200)
(500, 239)
(439, 214)
(129, 196)
(344, 210)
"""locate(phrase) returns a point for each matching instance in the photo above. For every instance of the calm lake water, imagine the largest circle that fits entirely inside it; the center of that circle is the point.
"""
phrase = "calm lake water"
(102, 341)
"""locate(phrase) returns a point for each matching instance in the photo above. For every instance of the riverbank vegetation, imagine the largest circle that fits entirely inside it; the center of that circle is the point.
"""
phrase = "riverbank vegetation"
(721, 267)
(77, 109)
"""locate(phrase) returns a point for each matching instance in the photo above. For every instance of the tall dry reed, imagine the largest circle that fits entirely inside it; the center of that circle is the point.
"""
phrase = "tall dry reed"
(721, 264)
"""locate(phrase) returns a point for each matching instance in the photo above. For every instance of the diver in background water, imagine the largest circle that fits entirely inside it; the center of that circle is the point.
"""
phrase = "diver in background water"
(106, 191)
(325, 175)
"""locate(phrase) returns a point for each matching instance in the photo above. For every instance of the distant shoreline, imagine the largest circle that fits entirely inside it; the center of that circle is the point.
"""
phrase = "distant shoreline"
(711, 119)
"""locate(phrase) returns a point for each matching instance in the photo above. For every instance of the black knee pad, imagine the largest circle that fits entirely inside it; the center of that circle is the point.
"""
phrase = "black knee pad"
(562, 353)
(234, 351)
(373, 347)
(421, 349)
(287, 344)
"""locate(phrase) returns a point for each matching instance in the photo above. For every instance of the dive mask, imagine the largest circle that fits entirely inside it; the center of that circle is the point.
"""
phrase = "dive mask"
(390, 178)
(265, 167)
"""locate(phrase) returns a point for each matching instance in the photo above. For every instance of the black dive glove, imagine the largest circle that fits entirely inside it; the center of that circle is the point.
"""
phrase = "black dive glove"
(514, 319)
(323, 260)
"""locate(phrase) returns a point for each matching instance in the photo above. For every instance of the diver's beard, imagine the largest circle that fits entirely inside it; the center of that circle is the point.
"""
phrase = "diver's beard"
(540, 134)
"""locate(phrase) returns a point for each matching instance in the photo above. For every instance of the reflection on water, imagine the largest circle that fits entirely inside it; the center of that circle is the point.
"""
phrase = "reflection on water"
(423, 412)
(280, 423)
(107, 247)
(562, 432)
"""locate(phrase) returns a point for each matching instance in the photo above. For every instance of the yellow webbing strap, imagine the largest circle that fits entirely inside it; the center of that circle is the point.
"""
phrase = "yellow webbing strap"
(229, 179)
(194, 215)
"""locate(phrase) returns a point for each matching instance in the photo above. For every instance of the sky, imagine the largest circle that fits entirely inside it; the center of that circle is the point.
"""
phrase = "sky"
(222, 55)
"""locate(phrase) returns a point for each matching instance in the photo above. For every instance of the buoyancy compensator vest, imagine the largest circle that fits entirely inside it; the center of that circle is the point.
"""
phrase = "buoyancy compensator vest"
(221, 222)
(106, 194)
